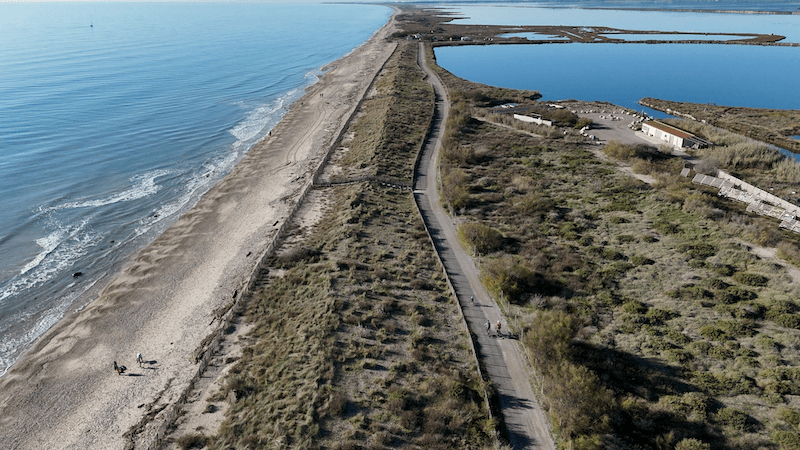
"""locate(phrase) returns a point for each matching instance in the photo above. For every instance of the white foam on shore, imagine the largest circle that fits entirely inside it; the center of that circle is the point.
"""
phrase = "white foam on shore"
(143, 185)
(59, 251)
(11, 347)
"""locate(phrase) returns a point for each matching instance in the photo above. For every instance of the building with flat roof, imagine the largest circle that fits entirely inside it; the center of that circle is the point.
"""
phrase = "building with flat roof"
(672, 135)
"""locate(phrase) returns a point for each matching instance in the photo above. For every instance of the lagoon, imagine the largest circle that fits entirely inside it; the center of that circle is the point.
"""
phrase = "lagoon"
(693, 22)
(733, 75)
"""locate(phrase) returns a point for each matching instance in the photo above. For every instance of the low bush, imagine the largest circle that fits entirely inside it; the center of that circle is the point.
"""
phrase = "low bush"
(481, 238)
(787, 440)
(751, 279)
(790, 252)
(692, 444)
(698, 251)
(721, 384)
(732, 418)
(192, 440)
(639, 260)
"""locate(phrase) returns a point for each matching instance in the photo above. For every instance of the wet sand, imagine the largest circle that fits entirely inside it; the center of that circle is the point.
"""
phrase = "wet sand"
(64, 393)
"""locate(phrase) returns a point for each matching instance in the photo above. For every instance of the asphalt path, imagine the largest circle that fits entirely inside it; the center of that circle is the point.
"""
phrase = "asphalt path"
(499, 353)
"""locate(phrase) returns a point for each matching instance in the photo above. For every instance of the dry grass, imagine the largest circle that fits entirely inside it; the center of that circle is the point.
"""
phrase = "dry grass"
(357, 343)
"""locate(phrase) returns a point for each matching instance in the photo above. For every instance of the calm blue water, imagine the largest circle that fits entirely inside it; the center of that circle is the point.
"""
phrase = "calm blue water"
(755, 76)
(733, 75)
(697, 22)
(116, 117)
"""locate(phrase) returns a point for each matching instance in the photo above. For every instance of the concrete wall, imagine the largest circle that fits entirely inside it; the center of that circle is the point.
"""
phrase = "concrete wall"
(535, 120)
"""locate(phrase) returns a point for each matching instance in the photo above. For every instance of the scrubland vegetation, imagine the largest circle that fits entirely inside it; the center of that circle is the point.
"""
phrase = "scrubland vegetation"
(650, 321)
(356, 342)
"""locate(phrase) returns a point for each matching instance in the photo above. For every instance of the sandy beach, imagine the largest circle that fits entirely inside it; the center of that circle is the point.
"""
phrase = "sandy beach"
(64, 393)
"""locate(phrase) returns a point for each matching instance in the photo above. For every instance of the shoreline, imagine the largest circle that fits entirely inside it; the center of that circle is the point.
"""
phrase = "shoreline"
(162, 303)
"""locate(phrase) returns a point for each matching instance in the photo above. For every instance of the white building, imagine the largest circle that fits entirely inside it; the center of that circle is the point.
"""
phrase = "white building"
(672, 135)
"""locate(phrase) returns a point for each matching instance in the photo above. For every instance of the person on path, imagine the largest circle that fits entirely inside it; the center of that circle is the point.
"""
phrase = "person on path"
(472, 300)
(497, 327)
(488, 327)
(139, 359)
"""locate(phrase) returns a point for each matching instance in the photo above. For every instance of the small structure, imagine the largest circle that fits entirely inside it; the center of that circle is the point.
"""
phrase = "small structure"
(672, 135)
(533, 118)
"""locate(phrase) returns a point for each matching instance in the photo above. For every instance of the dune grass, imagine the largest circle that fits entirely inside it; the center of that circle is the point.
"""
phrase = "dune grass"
(357, 342)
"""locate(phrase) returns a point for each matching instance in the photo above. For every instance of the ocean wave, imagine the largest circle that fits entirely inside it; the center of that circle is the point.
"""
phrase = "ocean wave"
(194, 185)
(143, 185)
(59, 251)
(12, 346)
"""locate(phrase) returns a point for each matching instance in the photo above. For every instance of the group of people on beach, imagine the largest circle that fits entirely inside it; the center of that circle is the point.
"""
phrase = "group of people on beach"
(121, 369)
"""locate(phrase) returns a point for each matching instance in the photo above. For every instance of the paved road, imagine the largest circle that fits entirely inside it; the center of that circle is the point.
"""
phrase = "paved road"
(500, 356)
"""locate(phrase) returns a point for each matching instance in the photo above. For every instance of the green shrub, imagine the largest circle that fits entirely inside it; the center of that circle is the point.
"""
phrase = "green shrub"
(722, 384)
(569, 230)
(454, 189)
(192, 440)
(611, 254)
(698, 251)
(750, 279)
(677, 356)
(696, 292)
(639, 260)
(578, 403)
(634, 307)
(716, 283)
(790, 416)
(740, 294)
(677, 337)
(692, 444)
(625, 238)
(787, 320)
(719, 352)
(534, 204)
(787, 440)
(657, 316)
(732, 418)
(790, 252)
(724, 270)
(480, 237)
(697, 264)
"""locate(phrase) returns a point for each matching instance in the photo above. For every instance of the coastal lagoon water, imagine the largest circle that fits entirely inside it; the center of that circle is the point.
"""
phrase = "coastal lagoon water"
(732, 75)
(116, 117)
(582, 14)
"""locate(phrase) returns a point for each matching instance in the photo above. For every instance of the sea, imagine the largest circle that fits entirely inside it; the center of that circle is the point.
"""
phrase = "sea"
(116, 117)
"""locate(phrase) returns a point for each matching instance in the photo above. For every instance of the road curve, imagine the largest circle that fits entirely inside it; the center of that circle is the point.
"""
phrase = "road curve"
(500, 357)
